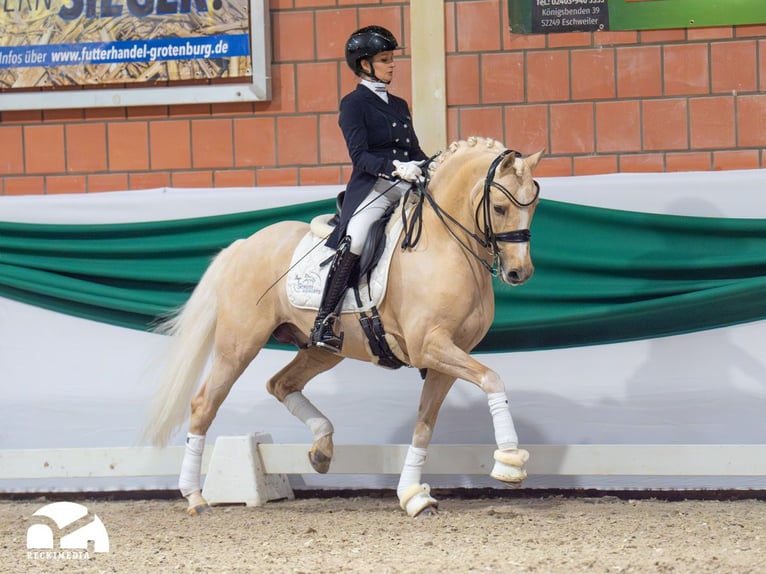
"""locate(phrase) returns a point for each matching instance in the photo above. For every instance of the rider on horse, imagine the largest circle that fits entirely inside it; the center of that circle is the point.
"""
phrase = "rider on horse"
(385, 155)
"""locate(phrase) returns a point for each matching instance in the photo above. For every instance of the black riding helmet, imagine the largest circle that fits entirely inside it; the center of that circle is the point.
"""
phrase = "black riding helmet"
(365, 43)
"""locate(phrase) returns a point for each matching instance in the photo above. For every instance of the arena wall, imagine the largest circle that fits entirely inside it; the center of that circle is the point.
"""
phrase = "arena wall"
(648, 101)
(76, 391)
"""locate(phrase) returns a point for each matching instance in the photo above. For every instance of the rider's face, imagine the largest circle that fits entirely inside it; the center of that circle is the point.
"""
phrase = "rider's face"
(383, 66)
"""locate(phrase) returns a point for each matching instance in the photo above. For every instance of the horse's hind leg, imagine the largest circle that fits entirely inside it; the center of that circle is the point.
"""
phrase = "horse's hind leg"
(287, 386)
(415, 498)
(227, 367)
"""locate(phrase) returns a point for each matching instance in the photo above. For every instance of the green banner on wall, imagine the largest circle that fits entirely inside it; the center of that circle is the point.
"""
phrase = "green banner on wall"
(550, 16)
(601, 275)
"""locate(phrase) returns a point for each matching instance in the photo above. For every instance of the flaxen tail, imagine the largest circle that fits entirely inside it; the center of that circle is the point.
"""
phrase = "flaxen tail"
(191, 330)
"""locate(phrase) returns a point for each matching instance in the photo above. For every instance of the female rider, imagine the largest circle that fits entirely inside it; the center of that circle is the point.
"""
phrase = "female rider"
(385, 155)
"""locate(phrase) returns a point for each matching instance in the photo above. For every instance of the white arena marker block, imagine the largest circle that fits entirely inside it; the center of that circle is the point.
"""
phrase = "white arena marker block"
(236, 473)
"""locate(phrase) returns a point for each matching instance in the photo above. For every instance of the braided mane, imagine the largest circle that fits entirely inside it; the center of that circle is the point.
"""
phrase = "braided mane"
(460, 146)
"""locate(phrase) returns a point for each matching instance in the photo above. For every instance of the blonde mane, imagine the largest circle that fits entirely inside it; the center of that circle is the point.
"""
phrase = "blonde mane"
(473, 143)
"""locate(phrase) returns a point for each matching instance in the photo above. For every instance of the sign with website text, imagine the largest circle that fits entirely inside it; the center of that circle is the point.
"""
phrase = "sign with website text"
(550, 16)
(61, 43)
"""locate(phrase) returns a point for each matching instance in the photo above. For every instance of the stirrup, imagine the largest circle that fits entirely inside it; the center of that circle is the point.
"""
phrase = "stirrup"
(324, 337)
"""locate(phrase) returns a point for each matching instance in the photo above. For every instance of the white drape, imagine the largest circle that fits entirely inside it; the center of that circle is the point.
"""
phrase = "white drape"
(68, 382)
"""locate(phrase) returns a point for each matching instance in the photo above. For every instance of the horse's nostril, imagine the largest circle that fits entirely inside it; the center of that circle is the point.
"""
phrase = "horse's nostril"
(517, 275)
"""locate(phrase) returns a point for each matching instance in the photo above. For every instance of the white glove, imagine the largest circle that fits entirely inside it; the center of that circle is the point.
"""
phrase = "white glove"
(407, 170)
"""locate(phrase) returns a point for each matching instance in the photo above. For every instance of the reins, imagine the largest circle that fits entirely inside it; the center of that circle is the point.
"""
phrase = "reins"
(413, 223)
(414, 227)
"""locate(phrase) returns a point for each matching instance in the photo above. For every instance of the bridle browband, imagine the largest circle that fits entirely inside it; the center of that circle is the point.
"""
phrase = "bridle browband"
(489, 239)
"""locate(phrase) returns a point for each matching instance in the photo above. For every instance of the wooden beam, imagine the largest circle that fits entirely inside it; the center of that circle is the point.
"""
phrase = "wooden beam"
(429, 73)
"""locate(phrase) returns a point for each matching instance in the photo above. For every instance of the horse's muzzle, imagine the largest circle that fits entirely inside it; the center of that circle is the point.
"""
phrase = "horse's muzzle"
(517, 275)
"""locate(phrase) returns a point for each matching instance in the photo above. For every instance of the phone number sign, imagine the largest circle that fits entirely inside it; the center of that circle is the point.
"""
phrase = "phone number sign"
(548, 16)
(569, 16)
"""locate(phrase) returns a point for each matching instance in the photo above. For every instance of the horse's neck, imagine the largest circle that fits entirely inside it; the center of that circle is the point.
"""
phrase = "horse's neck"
(457, 189)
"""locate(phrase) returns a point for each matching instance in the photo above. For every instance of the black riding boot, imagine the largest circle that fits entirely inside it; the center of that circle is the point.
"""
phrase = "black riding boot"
(323, 334)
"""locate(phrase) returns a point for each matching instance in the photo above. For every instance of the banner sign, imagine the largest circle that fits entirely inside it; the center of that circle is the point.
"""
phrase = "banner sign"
(556, 16)
(57, 43)
(548, 16)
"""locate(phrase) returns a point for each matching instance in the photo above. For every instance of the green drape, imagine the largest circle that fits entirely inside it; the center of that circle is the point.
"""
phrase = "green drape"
(601, 275)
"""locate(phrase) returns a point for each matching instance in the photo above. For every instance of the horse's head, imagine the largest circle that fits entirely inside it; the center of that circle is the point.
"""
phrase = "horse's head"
(502, 200)
(507, 198)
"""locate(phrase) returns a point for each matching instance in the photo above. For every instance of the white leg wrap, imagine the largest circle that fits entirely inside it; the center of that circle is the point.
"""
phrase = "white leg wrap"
(509, 458)
(505, 432)
(412, 470)
(191, 467)
(302, 408)
(413, 496)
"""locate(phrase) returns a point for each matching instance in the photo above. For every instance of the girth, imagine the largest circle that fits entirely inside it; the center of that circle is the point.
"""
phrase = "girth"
(376, 335)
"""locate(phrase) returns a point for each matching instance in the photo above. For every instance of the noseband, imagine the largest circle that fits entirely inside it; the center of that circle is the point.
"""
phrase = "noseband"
(490, 239)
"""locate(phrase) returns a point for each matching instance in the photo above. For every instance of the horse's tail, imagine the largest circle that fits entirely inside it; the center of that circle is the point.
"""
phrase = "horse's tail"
(191, 329)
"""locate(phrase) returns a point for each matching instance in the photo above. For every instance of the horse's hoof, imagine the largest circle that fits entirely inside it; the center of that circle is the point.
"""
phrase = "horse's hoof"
(198, 510)
(320, 462)
(197, 504)
(428, 511)
(509, 467)
(417, 499)
(320, 455)
(509, 475)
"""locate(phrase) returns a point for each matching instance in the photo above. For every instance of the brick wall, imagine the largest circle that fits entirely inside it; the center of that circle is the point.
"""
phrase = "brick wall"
(669, 100)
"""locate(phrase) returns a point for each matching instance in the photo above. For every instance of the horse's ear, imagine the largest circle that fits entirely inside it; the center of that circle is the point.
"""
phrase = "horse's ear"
(514, 162)
(534, 159)
(517, 163)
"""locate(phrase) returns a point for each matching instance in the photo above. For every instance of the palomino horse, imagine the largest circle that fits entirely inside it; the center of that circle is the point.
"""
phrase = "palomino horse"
(477, 209)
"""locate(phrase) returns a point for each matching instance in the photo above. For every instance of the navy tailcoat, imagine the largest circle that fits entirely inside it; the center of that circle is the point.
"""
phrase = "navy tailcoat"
(376, 134)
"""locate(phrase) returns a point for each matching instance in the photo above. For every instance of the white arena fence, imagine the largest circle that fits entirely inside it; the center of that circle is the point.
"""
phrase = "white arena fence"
(239, 468)
(558, 460)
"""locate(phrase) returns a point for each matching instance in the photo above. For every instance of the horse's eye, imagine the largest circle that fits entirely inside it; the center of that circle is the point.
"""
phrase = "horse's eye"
(499, 209)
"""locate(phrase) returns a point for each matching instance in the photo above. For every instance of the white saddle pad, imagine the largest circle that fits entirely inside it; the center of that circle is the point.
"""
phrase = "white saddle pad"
(305, 281)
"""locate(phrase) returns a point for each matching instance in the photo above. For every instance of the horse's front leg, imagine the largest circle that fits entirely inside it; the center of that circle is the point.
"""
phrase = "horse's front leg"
(415, 498)
(440, 353)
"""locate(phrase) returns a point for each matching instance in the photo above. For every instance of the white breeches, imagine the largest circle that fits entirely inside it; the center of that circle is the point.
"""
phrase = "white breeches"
(382, 195)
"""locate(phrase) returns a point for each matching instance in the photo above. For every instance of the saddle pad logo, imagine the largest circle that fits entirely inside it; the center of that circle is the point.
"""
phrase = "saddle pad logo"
(72, 544)
(308, 284)
(305, 280)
